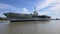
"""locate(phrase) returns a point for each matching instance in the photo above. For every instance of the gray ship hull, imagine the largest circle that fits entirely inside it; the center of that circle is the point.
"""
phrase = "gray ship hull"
(32, 19)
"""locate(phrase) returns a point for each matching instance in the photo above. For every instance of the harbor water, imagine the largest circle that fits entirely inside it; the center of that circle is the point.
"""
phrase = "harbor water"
(30, 27)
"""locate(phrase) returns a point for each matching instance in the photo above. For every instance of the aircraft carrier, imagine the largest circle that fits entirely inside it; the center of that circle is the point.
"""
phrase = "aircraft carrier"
(26, 17)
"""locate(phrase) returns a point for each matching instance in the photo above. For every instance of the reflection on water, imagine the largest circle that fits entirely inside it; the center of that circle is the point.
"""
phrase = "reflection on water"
(30, 27)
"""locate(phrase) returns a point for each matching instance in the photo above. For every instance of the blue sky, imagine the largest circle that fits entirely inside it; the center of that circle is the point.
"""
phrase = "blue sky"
(43, 7)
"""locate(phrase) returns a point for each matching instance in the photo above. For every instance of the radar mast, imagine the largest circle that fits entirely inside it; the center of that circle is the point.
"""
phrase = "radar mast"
(35, 12)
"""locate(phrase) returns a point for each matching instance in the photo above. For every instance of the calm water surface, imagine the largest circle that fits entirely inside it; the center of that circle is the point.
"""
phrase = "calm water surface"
(30, 27)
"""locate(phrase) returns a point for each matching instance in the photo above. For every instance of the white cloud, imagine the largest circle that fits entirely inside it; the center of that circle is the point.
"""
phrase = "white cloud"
(56, 9)
(6, 6)
(15, 9)
(24, 10)
(53, 11)
(45, 4)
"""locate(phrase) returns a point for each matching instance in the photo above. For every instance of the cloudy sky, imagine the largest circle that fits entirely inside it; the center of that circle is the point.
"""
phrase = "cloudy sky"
(43, 7)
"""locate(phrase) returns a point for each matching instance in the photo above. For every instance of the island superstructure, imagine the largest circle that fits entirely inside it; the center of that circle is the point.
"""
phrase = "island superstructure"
(26, 17)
